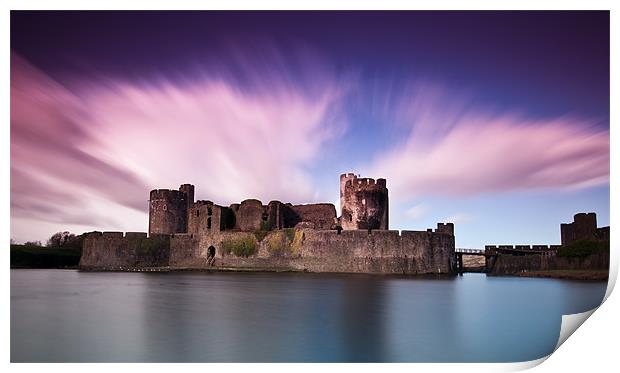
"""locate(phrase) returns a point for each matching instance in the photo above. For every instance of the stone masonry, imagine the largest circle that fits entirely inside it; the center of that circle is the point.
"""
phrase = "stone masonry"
(184, 234)
(363, 202)
(583, 227)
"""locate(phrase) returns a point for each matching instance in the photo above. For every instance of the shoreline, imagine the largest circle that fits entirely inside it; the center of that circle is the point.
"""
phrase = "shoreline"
(564, 274)
(575, 275)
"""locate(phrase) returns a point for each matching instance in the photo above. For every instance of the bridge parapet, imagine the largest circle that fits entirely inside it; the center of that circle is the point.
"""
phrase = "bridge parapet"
(545, 250)
(468, 251)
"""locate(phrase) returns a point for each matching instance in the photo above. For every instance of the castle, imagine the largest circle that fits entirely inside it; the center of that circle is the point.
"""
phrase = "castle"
(363, 202)
(188, 234)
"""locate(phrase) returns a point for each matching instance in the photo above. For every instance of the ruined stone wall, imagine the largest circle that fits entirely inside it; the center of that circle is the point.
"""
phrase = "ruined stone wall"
(167, 211)
(275, 215)
(583, 227)
(188, 191)
(249, 216)
(567, 234)
(324, 251)
(318, 215)
(198, 217)
(447, 228)
(185, 251)
(602, 233)
(115, 251)
(205, 216)
(364, 203)
(506, 264)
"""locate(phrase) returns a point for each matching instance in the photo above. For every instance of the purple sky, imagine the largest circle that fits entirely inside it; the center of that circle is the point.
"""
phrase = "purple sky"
(498, 121)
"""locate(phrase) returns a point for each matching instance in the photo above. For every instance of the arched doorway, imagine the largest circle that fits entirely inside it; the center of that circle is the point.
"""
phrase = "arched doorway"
(211, 255)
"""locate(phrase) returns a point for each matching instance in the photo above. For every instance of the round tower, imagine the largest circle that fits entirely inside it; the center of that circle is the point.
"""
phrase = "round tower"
(167, 211)
(363, 203)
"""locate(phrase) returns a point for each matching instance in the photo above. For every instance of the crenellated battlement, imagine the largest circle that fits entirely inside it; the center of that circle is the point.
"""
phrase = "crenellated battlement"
(365, 183)
(534, 248)
(445, 228)
(166, 194)
(363, 202)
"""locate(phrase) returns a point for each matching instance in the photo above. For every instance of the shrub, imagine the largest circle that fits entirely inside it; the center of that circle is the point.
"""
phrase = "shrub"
(242, 247)
(277, 243)
(583, 249)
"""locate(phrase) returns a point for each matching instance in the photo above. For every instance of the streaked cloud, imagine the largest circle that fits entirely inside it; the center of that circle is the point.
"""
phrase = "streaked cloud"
(453, 148)
(459, 218)
(416, 211)
(110, 140)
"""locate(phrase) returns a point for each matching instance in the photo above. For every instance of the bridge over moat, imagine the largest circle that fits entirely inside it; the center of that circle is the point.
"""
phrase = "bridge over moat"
(490, 253)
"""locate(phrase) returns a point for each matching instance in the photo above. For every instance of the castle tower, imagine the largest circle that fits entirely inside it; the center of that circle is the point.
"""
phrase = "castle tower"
(583, 227)
(188, 189)
(168, 209)
(363, 203)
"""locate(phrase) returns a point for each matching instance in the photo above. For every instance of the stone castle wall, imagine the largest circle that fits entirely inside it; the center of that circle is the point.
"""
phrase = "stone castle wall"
(506, 264)
(115, 251)
(252, 216)
(356, 251)
(318, 215)
(276, 236)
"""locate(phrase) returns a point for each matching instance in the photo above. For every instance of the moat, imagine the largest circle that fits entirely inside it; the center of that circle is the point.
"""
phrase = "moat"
(73, 316)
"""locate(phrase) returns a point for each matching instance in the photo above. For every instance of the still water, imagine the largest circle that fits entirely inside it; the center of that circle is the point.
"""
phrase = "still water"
(72, 316)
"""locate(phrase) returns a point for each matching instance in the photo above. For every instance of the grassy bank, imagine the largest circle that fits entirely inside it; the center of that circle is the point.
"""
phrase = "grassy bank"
(23, 256)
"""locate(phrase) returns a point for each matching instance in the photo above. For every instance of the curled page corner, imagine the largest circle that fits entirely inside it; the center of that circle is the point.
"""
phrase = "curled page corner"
(570, 323)
(613, 275)
(524, 365)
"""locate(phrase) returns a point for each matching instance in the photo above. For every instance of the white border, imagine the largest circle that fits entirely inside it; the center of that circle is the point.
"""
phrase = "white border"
(591, 348)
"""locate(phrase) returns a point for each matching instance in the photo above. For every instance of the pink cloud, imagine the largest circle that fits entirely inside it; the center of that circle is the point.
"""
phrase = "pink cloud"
(89, 155)
(454, 150)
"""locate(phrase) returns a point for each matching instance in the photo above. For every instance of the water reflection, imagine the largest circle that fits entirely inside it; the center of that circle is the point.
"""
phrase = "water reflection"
(267, 317)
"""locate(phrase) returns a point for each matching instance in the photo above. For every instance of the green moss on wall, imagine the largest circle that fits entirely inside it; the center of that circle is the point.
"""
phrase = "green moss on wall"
(277, 243)
(290, 233)
(298, 239)
(242, 247)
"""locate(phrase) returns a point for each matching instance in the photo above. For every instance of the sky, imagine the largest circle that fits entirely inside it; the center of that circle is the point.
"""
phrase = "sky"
(495, 121)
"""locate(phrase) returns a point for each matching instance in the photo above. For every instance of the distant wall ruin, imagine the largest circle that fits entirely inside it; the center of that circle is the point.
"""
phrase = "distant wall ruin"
(583, 227)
